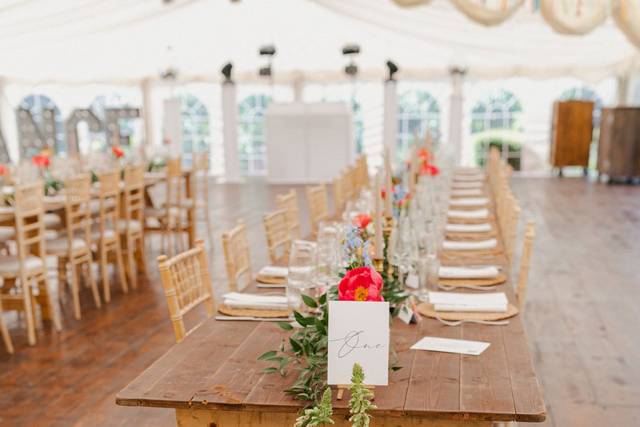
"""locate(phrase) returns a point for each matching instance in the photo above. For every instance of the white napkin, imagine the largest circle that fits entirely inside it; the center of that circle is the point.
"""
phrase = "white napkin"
(468, 170)
(468, 228)
(469, 184)
(475, 214)
(469, 201)
(459, 302)
(469, 177)
(469, 192)
(484, 272)
(273, 271)
(255, 302)
(453, 245)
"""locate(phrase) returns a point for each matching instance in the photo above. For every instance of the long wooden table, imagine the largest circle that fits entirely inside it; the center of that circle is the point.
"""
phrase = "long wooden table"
(213, 378)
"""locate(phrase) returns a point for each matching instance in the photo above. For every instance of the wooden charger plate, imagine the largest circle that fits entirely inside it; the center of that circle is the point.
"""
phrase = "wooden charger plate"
(454, 220)
(427, 310)
(471, 208)
(242, 312)
(498, 280)
(270, 280)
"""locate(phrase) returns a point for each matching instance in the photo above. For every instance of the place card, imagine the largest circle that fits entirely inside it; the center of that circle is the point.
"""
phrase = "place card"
(358, 333)
(406, 314)
(447, 345)
(412, 281)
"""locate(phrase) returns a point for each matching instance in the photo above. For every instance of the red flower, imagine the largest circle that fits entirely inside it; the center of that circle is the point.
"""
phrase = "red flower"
(423, 153)
(361, 284)
(428, 169)
(361, 221)
(3, 170)
(41, 160)
(117, 151)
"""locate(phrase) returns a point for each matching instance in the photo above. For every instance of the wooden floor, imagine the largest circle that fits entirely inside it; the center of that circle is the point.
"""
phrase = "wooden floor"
(582, 316)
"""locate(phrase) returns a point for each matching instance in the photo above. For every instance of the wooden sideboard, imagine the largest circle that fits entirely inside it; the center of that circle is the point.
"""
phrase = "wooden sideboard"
(619, 146)
(571, 133)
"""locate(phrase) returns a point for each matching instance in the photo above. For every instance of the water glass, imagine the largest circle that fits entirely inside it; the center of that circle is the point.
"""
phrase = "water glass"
(302, 263)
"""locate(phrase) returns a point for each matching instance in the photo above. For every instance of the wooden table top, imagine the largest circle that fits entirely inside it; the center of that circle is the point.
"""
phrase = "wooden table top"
(216, 368)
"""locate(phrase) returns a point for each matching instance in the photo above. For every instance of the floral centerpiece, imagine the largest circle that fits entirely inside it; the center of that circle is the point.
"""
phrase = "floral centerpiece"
(43, 161)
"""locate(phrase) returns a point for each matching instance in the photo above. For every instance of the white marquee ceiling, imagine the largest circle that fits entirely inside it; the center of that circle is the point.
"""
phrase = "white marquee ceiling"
(124, 41)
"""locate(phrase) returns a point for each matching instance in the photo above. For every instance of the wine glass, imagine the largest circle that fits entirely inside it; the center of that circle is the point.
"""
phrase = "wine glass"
(302, 263)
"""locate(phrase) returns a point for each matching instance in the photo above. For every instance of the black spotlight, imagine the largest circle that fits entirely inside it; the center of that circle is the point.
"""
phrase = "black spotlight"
(226, 72)
(267, 50)
(265, 71)
(393, 68)
(351, 70)
(351, 49)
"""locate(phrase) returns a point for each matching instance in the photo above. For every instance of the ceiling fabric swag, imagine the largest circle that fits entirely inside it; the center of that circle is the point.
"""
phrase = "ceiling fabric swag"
(485, 15)
(574, 16)
(411, 3)
(626, 13)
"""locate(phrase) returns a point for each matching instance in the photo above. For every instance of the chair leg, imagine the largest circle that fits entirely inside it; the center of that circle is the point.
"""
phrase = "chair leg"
(62, 278)
(131, 264)
(48, 310)
(75, 291)
(5, 332)
(106, 286)
(140, 258)
(92, 283)
(29, 313)
(207, 218)
(121, 271)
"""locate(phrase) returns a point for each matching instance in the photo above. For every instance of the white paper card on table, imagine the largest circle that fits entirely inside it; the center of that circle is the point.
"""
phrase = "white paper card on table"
(447, 345)
(468, 228)
(469, 201)
(274, 271)
(456, 245)
(358, 333)
(405, 314)
(412, 281)
(475, 214)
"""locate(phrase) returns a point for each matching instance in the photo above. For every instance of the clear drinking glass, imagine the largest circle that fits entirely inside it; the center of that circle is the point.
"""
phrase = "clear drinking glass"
(302, 264)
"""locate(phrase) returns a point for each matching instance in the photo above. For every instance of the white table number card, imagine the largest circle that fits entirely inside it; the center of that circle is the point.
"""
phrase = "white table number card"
(358, 333)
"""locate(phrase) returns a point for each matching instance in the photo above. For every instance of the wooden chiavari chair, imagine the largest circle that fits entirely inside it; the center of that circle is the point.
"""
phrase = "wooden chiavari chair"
(236, 257)
(131, 224)
(350, 183)
(362, 174)
(289, 202)
(318, 205)
(278, 236)
(5, 332)
(187, 285)
(339, 194)
(200, 189)
(525, 260)
(74, 246)
(20, 271)
(104, 233)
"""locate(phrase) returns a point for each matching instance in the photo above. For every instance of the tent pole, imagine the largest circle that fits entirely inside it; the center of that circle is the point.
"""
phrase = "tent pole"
(6, 115)
(230, 132)
(623, 88)
(147, 112)
(455, 110)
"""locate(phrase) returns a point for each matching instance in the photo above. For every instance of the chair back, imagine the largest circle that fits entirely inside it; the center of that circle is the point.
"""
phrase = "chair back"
(339, 196)
(349, 183)
(109, 202)
(187, 284)
(289, 202)
(278, 236)
(318, 205)
(236, 257)
(174, 181)
(200, 176)
(29, 220)
(133, 209)
(77, 191)
(525, 260)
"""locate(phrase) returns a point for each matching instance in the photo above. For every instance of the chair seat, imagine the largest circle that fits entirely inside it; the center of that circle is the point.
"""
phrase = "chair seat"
(60, 245)
(134, 224)
(10, 265)
(7, 233)
(52, 220)
(162, 213)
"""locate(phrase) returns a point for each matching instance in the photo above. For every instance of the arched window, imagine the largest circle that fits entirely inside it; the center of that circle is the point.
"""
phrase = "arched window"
(195, 124)
(496, 122)
(358, 125)
(252, 149)
(36, 104)
(417, 112)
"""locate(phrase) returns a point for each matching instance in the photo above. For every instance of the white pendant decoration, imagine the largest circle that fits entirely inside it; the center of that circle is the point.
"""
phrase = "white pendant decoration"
(574, 16)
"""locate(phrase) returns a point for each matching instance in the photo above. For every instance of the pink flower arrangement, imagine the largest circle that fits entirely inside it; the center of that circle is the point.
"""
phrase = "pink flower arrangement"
(41, 160)
(117, 151)
(361, 284)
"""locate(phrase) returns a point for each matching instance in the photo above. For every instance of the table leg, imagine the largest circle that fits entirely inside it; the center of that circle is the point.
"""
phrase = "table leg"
(191, 218)
(206, 418)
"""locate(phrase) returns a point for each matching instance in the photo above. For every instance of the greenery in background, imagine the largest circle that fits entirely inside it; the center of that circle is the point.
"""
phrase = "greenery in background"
(360, 402)
(514, 149)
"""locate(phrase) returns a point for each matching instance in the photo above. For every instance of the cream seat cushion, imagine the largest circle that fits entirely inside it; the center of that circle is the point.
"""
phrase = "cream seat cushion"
(134, 224)
(52, 220)
(108, 234)
(10, 265)
(61, 245)
(7, 233)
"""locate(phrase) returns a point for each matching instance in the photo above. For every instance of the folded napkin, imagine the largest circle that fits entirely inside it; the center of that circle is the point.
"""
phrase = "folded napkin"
(469, 192)
(470, 170)
(484, 272)
(468, 228)
(255, 302)
(459, 302)
(475, 214)
(467, 184)
(453, 245)
(273, 271)
(469, 177)
(469, 201)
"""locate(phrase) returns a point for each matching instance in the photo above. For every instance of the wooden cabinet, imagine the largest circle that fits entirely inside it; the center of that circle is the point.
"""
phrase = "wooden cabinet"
(571, 133)
(619, 146)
